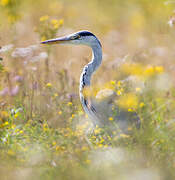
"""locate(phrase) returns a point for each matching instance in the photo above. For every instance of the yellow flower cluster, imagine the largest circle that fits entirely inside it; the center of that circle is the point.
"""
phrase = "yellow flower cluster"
(48, 85)
(150, 71)
(4, 2)
(57, 23)
(111, 118)
(48, 27)
(139, 70)
(44, 18)
(128, 101)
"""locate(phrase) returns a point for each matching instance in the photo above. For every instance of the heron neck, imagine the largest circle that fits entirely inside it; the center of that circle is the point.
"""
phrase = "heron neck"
(91, 67)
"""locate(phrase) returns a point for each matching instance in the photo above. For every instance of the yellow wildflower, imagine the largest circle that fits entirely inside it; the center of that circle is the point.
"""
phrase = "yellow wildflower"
(149, 71)
(97, 130)
(59, 112)
(4, 2)
(21, 131)
(84, 148)
(61, 21)
(69, 103)
(141, 105)
(53, 143)
(73, 115)
(44, 18)
(110, 118)
(102, 140)
(48, 85)
(128, 101)
(133, 69)
(159, 69)
(55, 23)
(130, 110)
(6, 123)
(138, 89)
(16, 115)
(119, 92)
(100, 145)
(119, 83)
(112, 82)
(45, 127)
(57, 148)
(56, 95)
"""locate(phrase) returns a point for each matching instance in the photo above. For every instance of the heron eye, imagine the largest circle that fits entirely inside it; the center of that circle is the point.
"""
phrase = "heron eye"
(78, 36)
(75, 37)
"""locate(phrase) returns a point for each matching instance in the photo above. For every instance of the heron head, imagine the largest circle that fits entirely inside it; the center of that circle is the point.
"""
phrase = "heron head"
(81, 37)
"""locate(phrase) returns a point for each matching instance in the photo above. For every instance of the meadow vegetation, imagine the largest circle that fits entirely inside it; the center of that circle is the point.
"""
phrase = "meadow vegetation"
(44, 132)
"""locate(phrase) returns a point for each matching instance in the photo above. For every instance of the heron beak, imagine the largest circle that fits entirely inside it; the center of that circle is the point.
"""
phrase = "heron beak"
(60, 40)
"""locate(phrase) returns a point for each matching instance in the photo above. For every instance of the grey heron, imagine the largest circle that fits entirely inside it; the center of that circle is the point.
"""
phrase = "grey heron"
(98, 110)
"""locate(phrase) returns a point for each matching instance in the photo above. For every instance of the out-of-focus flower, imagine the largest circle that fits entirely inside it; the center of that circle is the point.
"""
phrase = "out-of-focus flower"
(128, 101)
(59, 112)
(27, 52)
(44, 18)
(56, 95)
(171, 21)
(138, 89)
(16, 115)
(61, 21)
(132, 69)
(112, 82)
(42, 55)
(54, 143)
(141, 105)
(119, 83)
(14, 91)
(48, 27)
(149, 71)
(6, 123)
(49, 85)
(159, 69)
(4, 92)
(4, 2)
(110, 118)
(120, 91)
(18, 78)
(55, 23)
(69, 103)
(6, 48)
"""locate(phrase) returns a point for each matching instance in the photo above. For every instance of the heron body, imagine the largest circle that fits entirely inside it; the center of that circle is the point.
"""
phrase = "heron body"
(98, 109)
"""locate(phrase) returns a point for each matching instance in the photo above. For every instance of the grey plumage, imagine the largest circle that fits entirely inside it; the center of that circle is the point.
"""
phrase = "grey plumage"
(99, 111)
